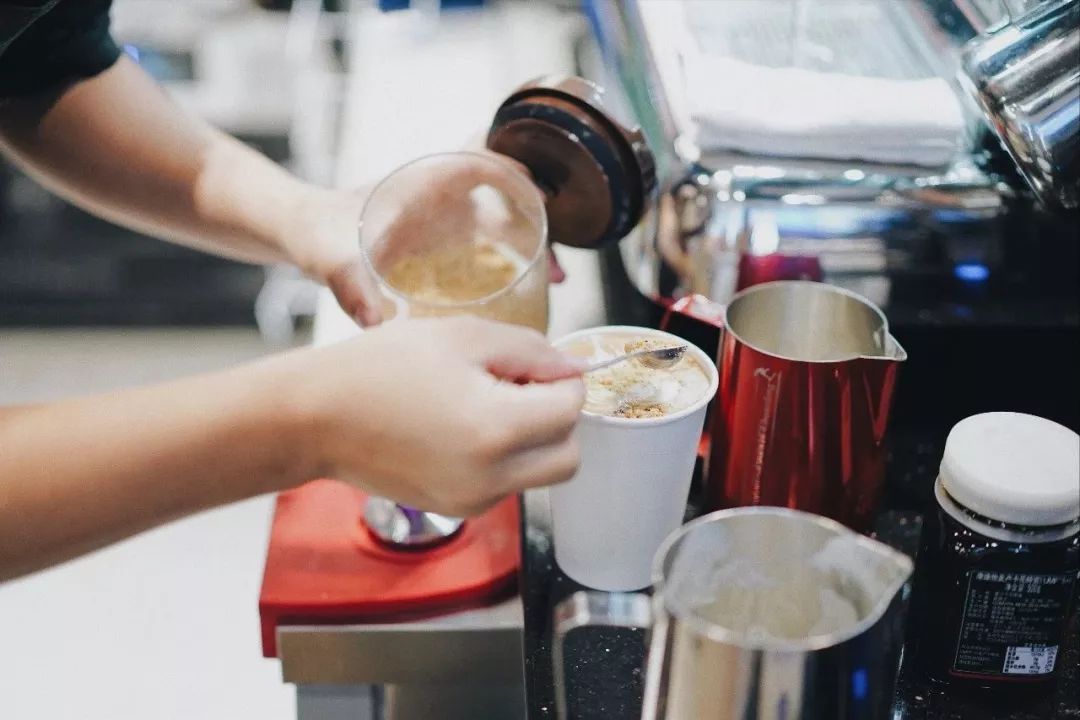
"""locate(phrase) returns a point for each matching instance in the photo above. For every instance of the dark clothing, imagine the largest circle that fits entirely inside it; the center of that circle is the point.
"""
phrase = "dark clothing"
(47, 44)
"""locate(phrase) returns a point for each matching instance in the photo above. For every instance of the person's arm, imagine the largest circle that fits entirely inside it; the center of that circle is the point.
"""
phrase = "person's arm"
(116, 145)
(413, 411)
(87, 122)
(80, 474)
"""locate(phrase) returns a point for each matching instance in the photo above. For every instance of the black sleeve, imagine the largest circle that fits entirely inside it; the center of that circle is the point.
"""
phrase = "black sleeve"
(68, 43)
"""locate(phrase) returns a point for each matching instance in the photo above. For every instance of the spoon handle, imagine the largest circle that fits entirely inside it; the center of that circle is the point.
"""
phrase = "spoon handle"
(616, 360)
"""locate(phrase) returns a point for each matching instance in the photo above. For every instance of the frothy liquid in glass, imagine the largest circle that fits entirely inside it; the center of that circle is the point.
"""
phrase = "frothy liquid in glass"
(459, 234)
(485, 278)
(457, 273)
(631, 390)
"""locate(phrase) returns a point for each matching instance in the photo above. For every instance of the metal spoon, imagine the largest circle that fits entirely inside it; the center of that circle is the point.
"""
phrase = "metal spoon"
(660, 359)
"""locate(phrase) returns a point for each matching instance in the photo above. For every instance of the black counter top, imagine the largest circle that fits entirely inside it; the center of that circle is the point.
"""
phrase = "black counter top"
(604, 665)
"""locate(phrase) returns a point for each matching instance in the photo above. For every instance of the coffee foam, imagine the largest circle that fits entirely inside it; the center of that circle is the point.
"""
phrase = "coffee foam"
(629, 389)
(459, 272)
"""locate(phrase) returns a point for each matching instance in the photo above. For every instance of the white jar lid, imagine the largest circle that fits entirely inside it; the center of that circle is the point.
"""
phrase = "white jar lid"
(1014, 468)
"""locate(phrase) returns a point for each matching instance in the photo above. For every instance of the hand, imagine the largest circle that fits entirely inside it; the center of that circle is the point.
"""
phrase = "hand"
(323, 239)
(448, 415)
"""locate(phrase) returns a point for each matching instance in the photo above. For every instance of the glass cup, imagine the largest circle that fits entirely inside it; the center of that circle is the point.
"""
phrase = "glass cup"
(453, 234)
(459, 234)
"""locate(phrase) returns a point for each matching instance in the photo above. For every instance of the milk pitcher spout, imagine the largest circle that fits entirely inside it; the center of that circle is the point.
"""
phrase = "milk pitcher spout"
(891, 350)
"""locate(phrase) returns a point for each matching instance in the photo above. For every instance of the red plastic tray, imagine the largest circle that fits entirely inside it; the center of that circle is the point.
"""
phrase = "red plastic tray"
(323, 567)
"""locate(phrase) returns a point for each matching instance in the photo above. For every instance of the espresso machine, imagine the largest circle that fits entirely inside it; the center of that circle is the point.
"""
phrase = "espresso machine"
(947, 197)
(920, 154)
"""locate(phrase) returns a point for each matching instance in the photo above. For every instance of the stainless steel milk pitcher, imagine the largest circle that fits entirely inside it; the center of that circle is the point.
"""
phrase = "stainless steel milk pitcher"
(761, 613)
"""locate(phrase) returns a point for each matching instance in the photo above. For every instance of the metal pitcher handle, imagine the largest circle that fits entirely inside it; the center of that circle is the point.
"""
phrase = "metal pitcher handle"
(591, 608)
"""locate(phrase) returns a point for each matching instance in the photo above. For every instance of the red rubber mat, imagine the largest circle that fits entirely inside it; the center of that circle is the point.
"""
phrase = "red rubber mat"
(323, 567)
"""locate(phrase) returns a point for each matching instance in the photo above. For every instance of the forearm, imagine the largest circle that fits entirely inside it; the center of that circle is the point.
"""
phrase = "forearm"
(116, 145)
(80, 474)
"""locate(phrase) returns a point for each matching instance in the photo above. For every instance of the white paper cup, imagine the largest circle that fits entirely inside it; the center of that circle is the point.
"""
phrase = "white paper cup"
(630, 491)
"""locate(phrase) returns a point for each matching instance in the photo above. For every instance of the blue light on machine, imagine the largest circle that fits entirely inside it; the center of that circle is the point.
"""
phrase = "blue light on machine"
(132, 52)
(860, 684)
(971, 272)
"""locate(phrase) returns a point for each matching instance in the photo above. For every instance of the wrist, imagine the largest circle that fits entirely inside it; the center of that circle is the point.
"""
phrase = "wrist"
(285, 419)
(320, 233)
(295, 380)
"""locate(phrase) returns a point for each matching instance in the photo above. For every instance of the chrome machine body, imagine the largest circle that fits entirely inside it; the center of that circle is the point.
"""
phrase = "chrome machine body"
(981, 242)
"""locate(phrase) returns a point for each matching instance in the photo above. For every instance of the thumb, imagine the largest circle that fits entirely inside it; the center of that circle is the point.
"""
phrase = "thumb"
(356, 292)
(555, 272)
(520, 355)
(545, 368)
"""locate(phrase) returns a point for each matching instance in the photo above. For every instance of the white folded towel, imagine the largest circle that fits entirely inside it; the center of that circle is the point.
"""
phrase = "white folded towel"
(793, 112)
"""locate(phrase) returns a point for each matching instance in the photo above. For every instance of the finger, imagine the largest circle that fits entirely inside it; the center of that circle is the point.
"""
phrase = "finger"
(443, 200)
(475, 509)
(513, 353)
(427, 221)
(552, 365)
(357, 292)
(555, 272)
(541, 466)
(541, 413)
(529, 358)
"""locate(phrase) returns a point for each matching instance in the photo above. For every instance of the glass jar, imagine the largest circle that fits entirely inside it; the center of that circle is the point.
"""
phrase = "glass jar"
(1001, 553)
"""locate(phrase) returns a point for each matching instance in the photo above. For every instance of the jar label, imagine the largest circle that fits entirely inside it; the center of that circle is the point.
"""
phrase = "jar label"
(1012, 623)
